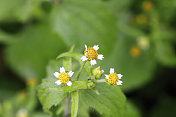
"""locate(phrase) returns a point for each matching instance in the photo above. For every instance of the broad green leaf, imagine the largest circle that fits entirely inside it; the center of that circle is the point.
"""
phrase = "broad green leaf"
(82, 22)
(30, 8)
(48, 94)
(131, 110)
(165, 52)
(29, 53)
(110, 101)
(51, 94)
(75, 101)
(7, 7)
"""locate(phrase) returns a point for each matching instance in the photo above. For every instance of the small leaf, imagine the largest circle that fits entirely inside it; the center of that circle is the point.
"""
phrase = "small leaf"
(76, 56)
(75, 100)
(51, 94)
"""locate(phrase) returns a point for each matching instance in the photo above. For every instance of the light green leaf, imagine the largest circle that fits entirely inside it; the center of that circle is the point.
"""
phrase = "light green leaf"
(51, 94)
(7, 7)
(28, 55)
(80, 24)
(75, 101)
(165, 52)
(110, 101)
(77, 57)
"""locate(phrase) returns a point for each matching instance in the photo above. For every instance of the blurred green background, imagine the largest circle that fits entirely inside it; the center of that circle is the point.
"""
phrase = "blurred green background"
(136, 37)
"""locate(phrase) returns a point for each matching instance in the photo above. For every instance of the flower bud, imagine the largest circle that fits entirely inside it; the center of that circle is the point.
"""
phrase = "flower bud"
(97, 72)
(91, 85)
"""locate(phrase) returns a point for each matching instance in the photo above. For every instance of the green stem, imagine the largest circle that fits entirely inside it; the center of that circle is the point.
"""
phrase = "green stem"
(80, 70)
(100, 81)
(74, 100)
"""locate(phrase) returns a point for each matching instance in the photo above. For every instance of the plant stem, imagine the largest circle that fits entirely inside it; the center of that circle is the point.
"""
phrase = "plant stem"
(80, 70)
(100, 81)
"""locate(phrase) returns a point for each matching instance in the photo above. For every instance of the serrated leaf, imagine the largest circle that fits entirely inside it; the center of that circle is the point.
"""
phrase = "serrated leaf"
(110, 101)
(74, 100)
(82, 22)
(51, 94)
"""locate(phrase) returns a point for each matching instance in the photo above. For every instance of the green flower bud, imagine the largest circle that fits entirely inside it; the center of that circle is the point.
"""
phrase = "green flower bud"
(91, 85)
(97, 72)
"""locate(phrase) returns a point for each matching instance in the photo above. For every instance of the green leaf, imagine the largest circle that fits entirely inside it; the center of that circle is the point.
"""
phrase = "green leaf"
(7, 7)
(28, 55)
(80, 24)
(51, 94)
(110, 101)
(132, 110)
(77, 57)
(75, 100)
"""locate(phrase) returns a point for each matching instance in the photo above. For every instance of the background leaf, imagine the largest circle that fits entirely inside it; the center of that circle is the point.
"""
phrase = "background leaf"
(74, 19)
(30, 52)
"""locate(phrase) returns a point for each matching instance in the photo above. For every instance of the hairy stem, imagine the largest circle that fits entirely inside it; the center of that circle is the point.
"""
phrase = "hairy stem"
(100, 81)
(80, 70)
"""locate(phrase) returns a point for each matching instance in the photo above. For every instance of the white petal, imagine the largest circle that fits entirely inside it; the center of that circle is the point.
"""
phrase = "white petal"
(86, 47)
(107, 76)
(84, 58)
(100, 56)
(56, 74)
(119, 82)
(58, 82)
(93, 62)
(111, 70)
(69, 83)
(96, 47)
(62, 69)
(120, 76)
(70, 73)
(98, 67)
(102, 71)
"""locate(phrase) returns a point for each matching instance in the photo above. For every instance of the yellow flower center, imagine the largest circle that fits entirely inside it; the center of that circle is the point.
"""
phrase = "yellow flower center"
(64, 77)
(113, 78)
(91, 53)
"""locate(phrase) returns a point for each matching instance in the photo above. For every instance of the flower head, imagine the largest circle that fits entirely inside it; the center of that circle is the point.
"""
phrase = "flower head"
(91, 54)
(64, 77)
(113, 78)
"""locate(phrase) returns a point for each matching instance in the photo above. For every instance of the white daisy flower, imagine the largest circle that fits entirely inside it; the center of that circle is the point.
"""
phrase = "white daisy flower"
(91, 54)
(113, 78)
(64, 77)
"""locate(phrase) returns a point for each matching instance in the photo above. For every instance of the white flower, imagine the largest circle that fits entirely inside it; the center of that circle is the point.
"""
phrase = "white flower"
(91, 54)
(113, 78)
(22, 113)
(64, 77)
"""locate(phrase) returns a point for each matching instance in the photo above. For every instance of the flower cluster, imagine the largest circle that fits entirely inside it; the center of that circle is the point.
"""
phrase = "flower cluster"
(90, 54)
